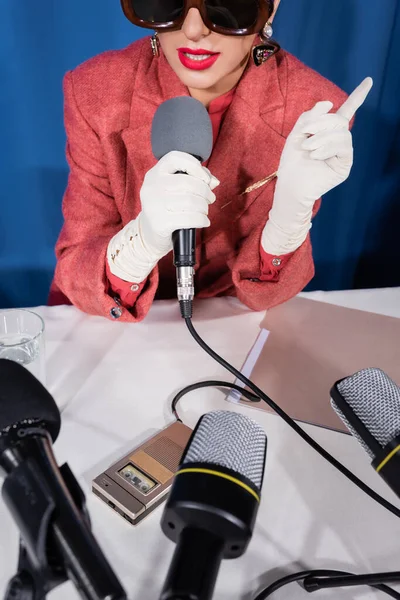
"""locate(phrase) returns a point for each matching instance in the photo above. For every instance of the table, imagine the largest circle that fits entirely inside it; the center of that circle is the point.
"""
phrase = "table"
(114, 383)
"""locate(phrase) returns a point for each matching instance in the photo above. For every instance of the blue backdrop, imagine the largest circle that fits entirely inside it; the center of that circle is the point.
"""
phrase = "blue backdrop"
(356, 234)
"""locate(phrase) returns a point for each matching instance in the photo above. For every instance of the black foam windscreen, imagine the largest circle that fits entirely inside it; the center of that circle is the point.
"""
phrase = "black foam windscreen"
(182, 124)
(23, 397)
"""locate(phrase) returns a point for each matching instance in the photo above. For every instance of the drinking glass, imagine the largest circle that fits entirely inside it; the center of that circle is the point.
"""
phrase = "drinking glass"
(22, 340)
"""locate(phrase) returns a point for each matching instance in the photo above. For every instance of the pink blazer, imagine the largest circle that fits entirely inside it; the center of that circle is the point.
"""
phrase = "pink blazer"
(110, 102)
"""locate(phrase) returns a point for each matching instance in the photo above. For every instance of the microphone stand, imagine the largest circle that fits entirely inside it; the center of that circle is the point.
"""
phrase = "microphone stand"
(39, 575)
(313, 583)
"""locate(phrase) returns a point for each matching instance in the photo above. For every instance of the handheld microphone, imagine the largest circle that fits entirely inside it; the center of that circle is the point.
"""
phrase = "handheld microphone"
(183, 124)
(368, 403)
(214, 501)
(56, 541)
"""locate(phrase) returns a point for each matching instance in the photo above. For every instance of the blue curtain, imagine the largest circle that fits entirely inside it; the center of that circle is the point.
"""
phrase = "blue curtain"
(355, 234)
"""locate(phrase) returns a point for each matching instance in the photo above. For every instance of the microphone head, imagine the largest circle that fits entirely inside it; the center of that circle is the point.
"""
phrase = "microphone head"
(374, 400)
(229, 440)
(24, 398)
(182, 124)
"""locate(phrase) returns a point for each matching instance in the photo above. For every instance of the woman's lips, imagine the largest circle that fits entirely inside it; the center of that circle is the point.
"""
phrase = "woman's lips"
(197, 60)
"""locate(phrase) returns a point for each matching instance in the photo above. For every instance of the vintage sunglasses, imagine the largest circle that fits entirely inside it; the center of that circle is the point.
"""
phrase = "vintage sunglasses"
(228, 17)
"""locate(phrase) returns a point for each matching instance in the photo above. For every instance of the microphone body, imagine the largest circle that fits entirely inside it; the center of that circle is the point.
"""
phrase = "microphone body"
(39, 501)
(212, 508)
(184, 241)
(187, 572)
(183, 124)
(387, 465)
(368, 403)
(43, 501)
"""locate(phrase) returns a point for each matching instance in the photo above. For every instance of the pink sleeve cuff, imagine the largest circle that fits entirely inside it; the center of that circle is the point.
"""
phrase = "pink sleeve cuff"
(271, 265)
(126, 292)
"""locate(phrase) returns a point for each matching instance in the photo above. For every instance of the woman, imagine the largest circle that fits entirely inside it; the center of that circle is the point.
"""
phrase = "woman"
(281, 140)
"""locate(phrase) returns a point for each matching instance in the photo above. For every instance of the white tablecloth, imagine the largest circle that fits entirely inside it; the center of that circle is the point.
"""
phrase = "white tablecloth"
(114, 383)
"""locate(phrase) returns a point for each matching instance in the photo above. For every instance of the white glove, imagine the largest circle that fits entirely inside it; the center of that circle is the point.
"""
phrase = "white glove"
(170, 201)
(317, 157)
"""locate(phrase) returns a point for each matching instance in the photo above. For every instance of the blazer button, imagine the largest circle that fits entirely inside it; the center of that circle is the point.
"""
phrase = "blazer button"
(277, 262)
(116, 312)
(135, 287)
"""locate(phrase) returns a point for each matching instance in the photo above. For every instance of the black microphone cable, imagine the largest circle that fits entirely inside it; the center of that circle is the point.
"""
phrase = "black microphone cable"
(304, 576)
(256, 395)
(205, 384)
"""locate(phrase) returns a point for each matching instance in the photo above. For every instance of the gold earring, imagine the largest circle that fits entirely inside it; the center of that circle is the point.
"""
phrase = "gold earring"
(268, 48)
(155, 44)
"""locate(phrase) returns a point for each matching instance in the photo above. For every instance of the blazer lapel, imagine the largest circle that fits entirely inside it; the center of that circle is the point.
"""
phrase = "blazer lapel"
(249, 146)
(247, 150)
(155, 82)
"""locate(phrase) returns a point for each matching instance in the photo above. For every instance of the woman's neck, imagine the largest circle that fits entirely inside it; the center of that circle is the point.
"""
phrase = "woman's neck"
(207, 96)
(224, 86)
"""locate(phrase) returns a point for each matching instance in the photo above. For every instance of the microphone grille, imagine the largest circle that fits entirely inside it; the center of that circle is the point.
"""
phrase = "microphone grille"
(375, 399)
(182, 124)
(232, 441)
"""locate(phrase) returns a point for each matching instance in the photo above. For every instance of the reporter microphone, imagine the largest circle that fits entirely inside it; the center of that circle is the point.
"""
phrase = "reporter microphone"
(183, 124)
(368, 403)
(213, 503)
(56, 541)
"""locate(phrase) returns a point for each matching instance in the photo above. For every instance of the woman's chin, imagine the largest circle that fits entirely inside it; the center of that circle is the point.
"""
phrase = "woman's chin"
(200, 80)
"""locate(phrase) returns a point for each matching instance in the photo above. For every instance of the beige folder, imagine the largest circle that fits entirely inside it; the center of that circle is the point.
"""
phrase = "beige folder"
(310, 346)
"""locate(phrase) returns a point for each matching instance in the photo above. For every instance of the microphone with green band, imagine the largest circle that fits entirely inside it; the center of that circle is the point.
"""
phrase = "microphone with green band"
(213, 504)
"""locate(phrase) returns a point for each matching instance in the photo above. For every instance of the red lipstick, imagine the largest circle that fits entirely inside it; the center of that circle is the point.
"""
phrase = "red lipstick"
(204, 58)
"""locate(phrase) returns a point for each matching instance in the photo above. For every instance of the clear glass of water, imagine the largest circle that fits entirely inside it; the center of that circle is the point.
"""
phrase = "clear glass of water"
(22, 340)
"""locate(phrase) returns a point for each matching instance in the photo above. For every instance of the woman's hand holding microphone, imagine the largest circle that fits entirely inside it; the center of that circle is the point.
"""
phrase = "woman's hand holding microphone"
(317, 157)
(170, 201)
